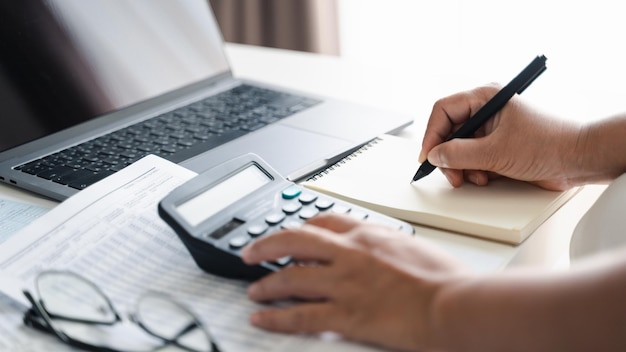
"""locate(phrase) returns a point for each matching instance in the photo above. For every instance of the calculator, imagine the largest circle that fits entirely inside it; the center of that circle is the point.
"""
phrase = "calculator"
(222, 210)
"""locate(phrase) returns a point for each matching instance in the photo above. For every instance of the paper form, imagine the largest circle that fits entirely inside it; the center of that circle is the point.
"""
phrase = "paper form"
(15, 336)
(111, 234)
(15, 215)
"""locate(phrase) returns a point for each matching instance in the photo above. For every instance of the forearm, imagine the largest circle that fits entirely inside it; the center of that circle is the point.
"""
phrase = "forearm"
(600, 152)
(583, 310)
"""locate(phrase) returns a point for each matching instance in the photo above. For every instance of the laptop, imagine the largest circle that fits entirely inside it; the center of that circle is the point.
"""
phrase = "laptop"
(89, 87)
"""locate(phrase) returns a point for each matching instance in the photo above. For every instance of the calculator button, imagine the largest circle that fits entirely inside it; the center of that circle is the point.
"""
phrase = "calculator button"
(308, 213)
(358, 214)
(307, 197)
(341, 209)
(238, 242)
(283, 261)
(384, 222)
(291, 224)
(257, 230)
(292, 207)
(275, 218)
(323, 204)
(292, 192)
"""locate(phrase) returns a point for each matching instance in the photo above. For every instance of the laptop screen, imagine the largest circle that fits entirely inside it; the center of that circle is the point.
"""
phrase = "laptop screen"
(63, 62)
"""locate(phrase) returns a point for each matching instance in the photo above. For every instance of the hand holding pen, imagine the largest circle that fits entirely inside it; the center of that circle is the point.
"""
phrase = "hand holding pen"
(467, 130)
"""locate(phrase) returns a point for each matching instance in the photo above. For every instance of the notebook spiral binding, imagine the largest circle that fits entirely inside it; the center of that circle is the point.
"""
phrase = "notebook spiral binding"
(341, 162)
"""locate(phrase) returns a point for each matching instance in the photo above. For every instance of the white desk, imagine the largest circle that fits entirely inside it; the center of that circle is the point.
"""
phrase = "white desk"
(368, 83)
(334, 76)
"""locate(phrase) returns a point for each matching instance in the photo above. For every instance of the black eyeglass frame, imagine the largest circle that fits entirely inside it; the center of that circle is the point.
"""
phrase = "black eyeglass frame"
(40, 319)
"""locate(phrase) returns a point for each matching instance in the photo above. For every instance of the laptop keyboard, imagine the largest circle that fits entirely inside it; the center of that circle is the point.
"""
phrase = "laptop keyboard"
(175, 135)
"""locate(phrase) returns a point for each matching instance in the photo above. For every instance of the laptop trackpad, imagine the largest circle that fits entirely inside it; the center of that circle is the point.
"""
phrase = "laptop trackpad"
(288, 150)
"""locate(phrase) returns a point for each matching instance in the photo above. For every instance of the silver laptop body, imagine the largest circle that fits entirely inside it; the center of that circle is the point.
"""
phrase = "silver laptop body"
(77, 72)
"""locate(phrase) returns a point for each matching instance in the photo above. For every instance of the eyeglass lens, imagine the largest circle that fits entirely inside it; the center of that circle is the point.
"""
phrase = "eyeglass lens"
(168, 319)
(66, 296)
(72, 297)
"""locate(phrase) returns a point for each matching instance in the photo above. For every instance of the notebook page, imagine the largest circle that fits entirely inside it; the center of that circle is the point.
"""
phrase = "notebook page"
(378, 177)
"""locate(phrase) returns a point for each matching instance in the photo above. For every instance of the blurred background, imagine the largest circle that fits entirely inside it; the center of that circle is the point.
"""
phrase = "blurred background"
(423, 50)
(306, 25)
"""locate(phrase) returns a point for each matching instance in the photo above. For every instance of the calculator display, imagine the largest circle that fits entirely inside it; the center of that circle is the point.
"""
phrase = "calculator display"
(222, 195)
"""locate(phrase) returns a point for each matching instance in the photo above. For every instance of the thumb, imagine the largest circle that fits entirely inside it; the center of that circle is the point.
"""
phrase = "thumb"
(461, 154)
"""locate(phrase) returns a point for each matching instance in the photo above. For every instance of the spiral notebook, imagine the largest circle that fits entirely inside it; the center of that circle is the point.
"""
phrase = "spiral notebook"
(378, 175)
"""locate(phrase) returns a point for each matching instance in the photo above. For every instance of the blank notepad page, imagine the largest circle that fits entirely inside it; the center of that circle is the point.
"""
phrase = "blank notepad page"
(378, 177)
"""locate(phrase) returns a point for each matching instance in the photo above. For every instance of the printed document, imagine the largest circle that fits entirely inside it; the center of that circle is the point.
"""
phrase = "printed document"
(15, 215)
(111, 234)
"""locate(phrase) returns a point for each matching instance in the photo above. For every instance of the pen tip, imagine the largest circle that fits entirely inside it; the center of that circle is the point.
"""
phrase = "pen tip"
(418, 175)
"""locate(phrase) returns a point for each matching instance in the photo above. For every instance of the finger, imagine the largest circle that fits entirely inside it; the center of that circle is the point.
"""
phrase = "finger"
(339, 223)
(305, 282)
(449, 113)
(309, 318)
(446, 113)
(479, 178)
(455, 177)
(307, 243)
(464, 154)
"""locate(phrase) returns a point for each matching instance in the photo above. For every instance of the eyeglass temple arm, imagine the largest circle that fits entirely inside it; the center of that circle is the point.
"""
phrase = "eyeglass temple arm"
(38, 319)
(174, 340)
(40, 307)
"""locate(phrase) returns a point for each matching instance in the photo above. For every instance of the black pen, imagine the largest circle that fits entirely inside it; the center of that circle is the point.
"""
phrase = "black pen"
(517, 85)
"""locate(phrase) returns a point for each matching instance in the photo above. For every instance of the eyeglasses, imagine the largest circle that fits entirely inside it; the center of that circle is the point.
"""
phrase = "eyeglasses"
(77, 312)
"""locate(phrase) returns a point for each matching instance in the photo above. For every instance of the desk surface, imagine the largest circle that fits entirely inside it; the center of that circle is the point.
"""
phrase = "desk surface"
(364, 83)
(334, 76)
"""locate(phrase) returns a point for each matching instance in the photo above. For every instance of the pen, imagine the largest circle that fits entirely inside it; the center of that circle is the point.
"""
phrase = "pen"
(517, 85)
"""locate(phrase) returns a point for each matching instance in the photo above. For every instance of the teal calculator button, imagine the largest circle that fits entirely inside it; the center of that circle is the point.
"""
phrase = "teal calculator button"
(292, 192)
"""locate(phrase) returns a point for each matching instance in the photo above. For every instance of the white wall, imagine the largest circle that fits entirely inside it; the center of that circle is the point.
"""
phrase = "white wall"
(457, 44)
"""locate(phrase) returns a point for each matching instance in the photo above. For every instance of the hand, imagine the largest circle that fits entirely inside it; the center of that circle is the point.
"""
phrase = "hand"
(518, 142)
(366, 282)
